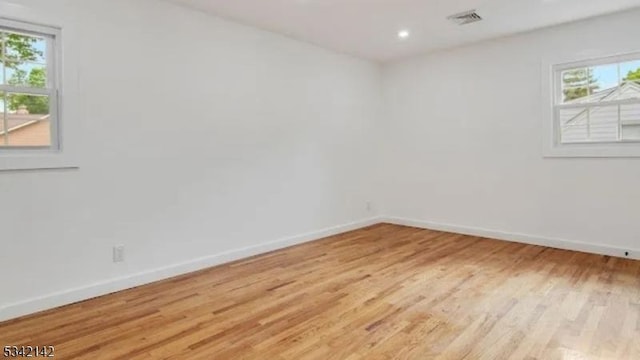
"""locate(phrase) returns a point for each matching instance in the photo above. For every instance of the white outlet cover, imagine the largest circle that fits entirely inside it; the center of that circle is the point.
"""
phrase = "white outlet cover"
(118, 253)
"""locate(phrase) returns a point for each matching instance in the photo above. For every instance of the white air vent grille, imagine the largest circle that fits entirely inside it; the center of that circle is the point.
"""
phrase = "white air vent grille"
(466, 17)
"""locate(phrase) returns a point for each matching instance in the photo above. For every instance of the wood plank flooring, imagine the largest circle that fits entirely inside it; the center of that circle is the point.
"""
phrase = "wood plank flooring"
(384, 292)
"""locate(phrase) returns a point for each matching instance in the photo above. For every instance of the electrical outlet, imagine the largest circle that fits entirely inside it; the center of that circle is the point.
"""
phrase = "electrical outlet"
(118, 253)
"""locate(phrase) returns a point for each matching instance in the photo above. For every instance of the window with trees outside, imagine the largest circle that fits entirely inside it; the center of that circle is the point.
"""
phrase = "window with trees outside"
(598, 102)
(28, 87)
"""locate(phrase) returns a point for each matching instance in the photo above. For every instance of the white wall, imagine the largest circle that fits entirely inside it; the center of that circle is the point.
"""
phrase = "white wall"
(464, 143)
(199, 137)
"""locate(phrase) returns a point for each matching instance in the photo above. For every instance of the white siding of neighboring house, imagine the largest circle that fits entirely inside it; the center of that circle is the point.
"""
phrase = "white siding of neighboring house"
(603, 123)
(574, 127)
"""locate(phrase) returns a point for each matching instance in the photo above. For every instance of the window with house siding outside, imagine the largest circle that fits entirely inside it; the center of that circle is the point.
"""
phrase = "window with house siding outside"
(599, 104)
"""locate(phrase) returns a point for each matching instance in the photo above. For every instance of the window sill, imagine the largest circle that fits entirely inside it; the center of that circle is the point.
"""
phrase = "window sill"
(622, 150)
(36, 161)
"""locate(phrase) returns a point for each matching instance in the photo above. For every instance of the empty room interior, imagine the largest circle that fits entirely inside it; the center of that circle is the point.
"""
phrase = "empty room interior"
(320, 179)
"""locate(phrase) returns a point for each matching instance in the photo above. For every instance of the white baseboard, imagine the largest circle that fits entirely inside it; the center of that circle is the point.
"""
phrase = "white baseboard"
(70, 296)
(519, 238)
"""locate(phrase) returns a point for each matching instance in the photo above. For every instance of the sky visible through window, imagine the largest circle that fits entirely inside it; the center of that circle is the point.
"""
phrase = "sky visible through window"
(607, 75)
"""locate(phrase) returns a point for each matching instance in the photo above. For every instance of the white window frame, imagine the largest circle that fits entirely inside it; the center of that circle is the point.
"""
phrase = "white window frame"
(552, 99)
(55, 155)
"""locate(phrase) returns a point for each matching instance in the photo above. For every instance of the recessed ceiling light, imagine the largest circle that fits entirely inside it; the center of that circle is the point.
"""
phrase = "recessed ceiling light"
(403, 34)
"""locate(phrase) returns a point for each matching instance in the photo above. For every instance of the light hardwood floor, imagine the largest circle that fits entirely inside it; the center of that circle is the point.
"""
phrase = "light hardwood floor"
(385, 292)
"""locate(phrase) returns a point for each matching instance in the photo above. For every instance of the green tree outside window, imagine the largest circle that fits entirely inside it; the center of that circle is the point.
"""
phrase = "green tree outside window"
(17, 51)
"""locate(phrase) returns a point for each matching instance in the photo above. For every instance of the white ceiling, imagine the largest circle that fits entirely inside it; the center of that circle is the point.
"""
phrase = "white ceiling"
(368, 28)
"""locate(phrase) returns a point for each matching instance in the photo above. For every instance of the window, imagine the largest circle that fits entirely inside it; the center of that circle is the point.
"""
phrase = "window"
(596, 105)
(28, 88)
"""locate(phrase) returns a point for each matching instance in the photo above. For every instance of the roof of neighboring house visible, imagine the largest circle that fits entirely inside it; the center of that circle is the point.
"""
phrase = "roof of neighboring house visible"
(18, 121)
(628, 90)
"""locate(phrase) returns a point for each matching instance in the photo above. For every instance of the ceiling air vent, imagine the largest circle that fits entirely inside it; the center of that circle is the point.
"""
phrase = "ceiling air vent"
(466, 17)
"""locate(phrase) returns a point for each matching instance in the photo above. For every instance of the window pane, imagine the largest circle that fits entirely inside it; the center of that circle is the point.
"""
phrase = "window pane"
(573, 125)
(605, 78)
(28, 120)
(630, 71)
(578, 84)
(24, 48)
(26, 74)
(630, 121)
(603, 121)
(595, 124)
